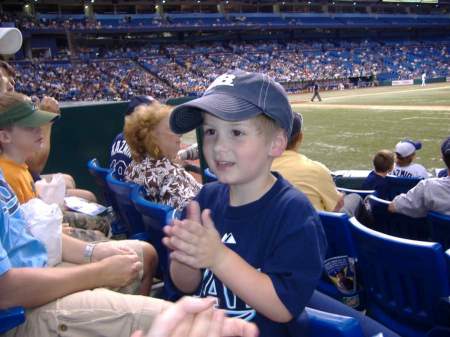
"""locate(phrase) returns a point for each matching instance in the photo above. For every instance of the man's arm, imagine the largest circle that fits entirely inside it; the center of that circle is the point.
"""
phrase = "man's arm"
(32, 287)
(37, 162)
(413, 203)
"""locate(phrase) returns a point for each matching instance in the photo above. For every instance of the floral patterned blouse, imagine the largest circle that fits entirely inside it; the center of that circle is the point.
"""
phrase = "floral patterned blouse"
(164, 182)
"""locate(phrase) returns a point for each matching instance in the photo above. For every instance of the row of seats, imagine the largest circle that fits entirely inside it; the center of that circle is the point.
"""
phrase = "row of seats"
(405, 284)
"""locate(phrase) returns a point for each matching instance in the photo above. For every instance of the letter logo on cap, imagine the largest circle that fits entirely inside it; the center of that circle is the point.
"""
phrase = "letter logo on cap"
(225, 79)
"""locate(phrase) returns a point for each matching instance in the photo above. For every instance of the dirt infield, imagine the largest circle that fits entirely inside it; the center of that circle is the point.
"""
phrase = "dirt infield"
(300, 103)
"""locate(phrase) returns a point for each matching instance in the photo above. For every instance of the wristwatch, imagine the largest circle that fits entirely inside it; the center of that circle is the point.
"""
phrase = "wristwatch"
(88, 251)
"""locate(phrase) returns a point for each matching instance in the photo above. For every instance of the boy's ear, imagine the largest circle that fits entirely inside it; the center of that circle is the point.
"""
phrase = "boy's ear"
(5, 136)
(279, 144)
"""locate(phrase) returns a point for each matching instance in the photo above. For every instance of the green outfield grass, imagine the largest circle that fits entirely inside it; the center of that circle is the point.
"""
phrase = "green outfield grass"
(348, 127)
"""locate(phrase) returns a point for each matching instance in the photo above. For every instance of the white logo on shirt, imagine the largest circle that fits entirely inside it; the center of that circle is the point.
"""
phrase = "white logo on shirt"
(229, 238)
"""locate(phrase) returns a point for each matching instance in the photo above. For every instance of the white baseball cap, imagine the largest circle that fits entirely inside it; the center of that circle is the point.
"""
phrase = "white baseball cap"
(407, 147)
(10, 40)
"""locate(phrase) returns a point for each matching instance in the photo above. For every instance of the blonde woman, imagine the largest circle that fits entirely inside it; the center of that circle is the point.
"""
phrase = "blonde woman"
(154, 149)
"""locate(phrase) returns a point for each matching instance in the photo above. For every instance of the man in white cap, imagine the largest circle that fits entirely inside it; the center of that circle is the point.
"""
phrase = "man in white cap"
(405, 151)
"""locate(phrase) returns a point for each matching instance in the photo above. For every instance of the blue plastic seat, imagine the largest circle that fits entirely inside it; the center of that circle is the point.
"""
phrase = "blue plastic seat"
(398, 185)
(340, 243)
(126, 210)
(209, 176)
(316, 323)
(440, 228)
(405, 281)
(395, 223)
(99, 174)
(10, 318)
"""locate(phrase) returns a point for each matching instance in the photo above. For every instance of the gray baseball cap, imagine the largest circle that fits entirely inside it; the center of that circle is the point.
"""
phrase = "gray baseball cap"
(235, 96)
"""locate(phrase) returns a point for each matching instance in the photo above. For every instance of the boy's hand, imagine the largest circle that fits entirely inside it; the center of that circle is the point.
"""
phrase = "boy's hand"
(49, 104)
(195, 240)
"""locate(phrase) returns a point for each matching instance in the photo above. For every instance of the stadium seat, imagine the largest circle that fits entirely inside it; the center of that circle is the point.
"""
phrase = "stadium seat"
(318, 323)
(154, 217)
(395, 223)
(99, 173)
(10, 318)
(340, 244)
(362, 193)
(398, 185)
(406, 282)
(440, 228)
(209, 176)
(126, 210)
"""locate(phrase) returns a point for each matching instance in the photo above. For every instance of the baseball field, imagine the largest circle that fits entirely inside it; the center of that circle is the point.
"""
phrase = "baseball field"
(348, 127)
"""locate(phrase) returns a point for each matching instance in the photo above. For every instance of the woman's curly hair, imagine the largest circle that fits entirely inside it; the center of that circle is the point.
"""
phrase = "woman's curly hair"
(138, 130)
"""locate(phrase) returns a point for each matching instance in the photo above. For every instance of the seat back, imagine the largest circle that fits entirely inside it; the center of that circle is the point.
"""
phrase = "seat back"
(403, 279)
(397, 224)
(154, 217)
(209, 176)
(318, 323)
(440, 228)
(126, 210)
(398, 185)
(340, 249)
(10, 318)
(361, 193)
(99, 174)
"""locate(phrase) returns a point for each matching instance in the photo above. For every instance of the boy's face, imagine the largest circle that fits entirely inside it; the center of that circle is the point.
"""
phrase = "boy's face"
(239, 153)
(24, 141)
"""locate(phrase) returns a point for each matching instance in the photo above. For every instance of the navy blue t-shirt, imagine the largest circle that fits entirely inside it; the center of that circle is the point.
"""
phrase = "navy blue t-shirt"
(377, 183)
(120, 156)
(280, 235)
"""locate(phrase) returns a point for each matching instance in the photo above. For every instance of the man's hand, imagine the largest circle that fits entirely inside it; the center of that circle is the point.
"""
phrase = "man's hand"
(49, 104)
(195, 240)
(119, 270)
(195, 317)
(391, 207)
(103, 250)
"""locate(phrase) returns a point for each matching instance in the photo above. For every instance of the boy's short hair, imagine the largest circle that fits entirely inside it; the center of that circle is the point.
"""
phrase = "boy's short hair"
(17, 110)
(445, 150)
(297, 128)
(236, 96)
(383, 161)
(138, 130)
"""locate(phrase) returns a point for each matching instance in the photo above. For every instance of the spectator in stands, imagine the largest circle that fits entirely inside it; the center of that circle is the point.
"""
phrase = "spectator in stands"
(7, 75)
(383, 164)
(432, 194)
(405, 152)
(154, 148)
(312, 177)
(120, 152)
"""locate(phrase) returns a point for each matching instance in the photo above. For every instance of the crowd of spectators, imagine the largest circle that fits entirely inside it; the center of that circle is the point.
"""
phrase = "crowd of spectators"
(180, 69)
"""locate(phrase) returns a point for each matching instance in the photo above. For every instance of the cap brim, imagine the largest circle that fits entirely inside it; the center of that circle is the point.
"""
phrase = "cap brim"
(187, 116)
(10, 40)
(37, 118)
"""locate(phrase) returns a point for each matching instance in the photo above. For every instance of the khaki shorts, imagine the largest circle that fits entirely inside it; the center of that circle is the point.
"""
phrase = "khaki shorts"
(97, 313)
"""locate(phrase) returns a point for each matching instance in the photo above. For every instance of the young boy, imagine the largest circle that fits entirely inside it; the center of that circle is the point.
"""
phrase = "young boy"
(383, 163)
(251, 240)
(405, 152)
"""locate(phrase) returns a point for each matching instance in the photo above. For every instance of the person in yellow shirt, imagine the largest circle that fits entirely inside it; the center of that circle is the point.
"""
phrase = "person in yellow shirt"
(309, 176)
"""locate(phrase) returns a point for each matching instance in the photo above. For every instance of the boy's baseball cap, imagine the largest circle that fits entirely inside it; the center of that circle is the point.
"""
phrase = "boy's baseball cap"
(445, 147)
(407, 147)
(25, 114)
(136, 101)
(235, 96)
(10, 40)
